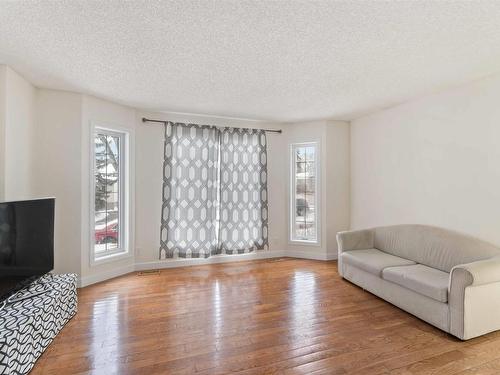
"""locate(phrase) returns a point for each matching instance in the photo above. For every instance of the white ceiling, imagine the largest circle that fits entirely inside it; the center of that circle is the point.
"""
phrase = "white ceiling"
(272, 60)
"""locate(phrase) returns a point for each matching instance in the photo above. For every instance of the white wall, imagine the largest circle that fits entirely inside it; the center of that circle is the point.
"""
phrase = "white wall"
(333, 138)
(149, 162)
(106, 114)
(337, 181)
(57, 170)
(38, 132)
(433, 161)
(62, 170)
(18, 132)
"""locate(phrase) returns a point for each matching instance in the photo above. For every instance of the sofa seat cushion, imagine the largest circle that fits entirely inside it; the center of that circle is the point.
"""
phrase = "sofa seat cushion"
(424, 280)
(373, 260)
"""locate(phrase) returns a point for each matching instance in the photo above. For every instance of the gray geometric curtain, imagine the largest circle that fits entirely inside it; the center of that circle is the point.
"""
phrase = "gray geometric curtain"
(243, 191)
(214, 191)
(190, 189)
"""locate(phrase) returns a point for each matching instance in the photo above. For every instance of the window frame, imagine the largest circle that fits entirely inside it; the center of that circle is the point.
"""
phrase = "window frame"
(292, 193)
(123, 248)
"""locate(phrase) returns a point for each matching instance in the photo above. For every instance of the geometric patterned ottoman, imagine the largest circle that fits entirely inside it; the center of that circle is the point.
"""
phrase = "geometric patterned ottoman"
(28, 325)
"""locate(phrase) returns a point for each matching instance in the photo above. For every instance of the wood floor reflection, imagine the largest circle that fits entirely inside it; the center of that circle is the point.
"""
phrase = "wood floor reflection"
(278, 316)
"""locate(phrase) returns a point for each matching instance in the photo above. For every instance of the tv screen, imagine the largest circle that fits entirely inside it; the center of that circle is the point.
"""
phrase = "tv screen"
(26, 242)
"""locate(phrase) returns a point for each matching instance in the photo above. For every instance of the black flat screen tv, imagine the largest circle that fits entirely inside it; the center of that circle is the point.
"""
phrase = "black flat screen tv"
(26, 242)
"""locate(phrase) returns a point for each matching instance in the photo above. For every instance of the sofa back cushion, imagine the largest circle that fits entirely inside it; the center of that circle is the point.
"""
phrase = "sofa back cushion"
(435, 247)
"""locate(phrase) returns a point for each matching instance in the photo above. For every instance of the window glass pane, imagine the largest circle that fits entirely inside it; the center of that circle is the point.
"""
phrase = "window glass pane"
(100, 191)
(310, 231)
(300, 207)
(304, 220)
(310, 169)
(300, 186)
(299, 230)
(311, 185)
(112, 234)
(107, 193)
(300, 154)
(113, 147)
(309, 151)
(310, 202)
(112, 202)
(300, 168)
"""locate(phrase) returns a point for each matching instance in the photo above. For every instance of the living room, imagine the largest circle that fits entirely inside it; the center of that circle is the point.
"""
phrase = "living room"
(249, 187)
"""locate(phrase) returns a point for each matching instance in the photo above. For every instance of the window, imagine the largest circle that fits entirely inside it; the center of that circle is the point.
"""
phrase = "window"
(304, 210)
(109, 219)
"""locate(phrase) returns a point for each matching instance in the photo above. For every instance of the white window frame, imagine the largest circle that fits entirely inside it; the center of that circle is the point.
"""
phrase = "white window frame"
(123, 249)
(292, 193)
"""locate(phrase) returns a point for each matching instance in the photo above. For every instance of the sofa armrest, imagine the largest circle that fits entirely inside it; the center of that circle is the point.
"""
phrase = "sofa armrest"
(476, 273)
(355, 240)
(466, 277)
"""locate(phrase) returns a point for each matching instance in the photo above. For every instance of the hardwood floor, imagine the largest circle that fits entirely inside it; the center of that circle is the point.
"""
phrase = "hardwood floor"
(278, 316)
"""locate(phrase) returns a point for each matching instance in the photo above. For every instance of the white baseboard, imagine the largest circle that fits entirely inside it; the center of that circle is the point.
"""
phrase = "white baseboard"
(181, 262)
(92, 279)
(310, 255)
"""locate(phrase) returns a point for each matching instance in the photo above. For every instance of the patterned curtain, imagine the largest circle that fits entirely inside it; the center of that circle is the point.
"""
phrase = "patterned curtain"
(190, 190)
(243, 191)
(214, 191)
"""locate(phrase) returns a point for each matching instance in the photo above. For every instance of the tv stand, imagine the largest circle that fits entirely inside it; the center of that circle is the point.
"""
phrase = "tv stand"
(32, 317)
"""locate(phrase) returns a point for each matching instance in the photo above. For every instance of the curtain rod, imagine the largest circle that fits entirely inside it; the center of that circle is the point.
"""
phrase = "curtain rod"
(144, 119)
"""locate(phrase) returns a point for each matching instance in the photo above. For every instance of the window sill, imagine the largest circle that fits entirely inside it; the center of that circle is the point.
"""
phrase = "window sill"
(304, 243)
(110, 258)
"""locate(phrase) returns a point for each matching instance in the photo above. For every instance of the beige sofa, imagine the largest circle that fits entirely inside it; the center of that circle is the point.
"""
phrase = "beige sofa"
(450, 280)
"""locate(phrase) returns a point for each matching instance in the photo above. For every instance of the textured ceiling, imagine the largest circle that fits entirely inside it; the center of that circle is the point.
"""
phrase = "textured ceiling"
(273, 60)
